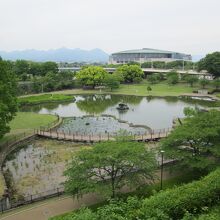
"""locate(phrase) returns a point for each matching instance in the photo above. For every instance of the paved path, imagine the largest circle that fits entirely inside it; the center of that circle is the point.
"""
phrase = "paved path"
(56, 206)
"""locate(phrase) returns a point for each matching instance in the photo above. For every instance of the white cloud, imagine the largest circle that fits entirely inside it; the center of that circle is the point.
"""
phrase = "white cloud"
(112, 25)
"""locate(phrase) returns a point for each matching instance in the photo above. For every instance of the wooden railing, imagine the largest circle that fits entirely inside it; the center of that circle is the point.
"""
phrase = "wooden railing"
(69, 136)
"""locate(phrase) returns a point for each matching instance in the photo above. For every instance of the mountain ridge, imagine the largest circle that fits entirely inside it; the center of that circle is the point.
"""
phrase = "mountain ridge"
(57, 55)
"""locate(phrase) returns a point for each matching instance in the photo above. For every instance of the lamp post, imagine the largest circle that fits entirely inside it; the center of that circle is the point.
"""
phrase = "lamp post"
(161, 170)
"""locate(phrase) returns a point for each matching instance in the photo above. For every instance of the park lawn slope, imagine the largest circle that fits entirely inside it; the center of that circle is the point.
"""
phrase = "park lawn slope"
(161, 89)
(26, 122)
(36, 99)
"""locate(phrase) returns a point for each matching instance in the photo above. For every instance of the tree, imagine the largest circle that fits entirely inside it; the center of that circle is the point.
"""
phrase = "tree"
(159, 64)
(92, 76)
(149, 89)
(172, 78)
(211, 63)
(146, 65)
(130, 72)
(8, 103)
(21, 67)
(108, 166)
(112, 81)
(203, 82)
(49, 67)
(177, 64)
(152, 78)
(35, 69)
(191, 80)
(216, 83)
(195, 143)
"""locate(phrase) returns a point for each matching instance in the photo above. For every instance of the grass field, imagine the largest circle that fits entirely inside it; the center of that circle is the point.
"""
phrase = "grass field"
(36, 99)
(27, 122)
(160, 89)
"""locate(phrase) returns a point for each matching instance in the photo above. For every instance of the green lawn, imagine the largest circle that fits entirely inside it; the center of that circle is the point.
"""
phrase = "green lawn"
(36, 99)
(27, 122)
(160, 89)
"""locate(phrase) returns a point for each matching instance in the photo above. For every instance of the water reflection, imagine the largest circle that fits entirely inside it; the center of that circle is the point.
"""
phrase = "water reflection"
(154, 112)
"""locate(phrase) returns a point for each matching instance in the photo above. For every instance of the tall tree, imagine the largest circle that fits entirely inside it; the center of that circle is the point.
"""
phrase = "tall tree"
(211, 63)
(21, 67)
(191, 80)
(8, 103)
(216, 83)
(196, 142)
(203, 82)
(108, 166)
(49, 67)
(172, 78)
(112, 81)
(130, 72)
(91, 76)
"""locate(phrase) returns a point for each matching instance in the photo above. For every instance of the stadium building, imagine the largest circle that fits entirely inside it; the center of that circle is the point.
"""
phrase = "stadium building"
(147, 55)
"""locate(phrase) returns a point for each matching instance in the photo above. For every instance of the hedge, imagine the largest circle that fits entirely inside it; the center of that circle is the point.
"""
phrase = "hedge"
(189, 198)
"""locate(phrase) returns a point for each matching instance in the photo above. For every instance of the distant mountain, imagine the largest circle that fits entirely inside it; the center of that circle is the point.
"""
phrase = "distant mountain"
(198, 57)
(58, 55)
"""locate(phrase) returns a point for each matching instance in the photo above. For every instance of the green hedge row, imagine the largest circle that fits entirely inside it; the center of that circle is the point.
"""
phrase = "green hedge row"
(192, 198)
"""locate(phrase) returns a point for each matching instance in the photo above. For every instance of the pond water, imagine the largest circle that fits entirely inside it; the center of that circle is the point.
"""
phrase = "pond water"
(38, 166)
(156, 113)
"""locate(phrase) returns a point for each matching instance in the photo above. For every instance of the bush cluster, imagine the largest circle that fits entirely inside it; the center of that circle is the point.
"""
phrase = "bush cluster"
(189, 198)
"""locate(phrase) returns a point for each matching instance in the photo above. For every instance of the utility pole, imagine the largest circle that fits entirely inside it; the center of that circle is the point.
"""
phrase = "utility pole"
(161, 170)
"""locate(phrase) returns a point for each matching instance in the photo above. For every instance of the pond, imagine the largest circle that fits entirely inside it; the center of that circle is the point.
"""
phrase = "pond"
(154, 112)
(38, 166)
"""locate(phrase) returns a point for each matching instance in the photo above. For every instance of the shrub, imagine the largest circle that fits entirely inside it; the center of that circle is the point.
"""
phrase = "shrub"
(192, 197)
(172, 78)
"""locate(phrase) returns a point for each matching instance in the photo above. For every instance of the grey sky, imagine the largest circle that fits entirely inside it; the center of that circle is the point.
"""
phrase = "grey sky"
(191, 26)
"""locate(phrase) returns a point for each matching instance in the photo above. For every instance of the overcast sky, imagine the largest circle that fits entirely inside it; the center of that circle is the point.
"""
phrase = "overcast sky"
(191, 26)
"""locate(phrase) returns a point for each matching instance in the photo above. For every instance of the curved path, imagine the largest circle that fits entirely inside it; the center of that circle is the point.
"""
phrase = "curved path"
(55, 206)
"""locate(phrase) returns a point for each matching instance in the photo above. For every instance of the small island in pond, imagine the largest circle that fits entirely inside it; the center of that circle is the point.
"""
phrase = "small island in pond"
(122, 107)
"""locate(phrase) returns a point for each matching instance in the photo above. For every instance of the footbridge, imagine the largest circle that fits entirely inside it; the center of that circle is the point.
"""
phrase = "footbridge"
(145, 70)
(152, 135)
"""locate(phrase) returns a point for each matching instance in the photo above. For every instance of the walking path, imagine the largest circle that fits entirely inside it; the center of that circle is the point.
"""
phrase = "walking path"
(56, 206)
